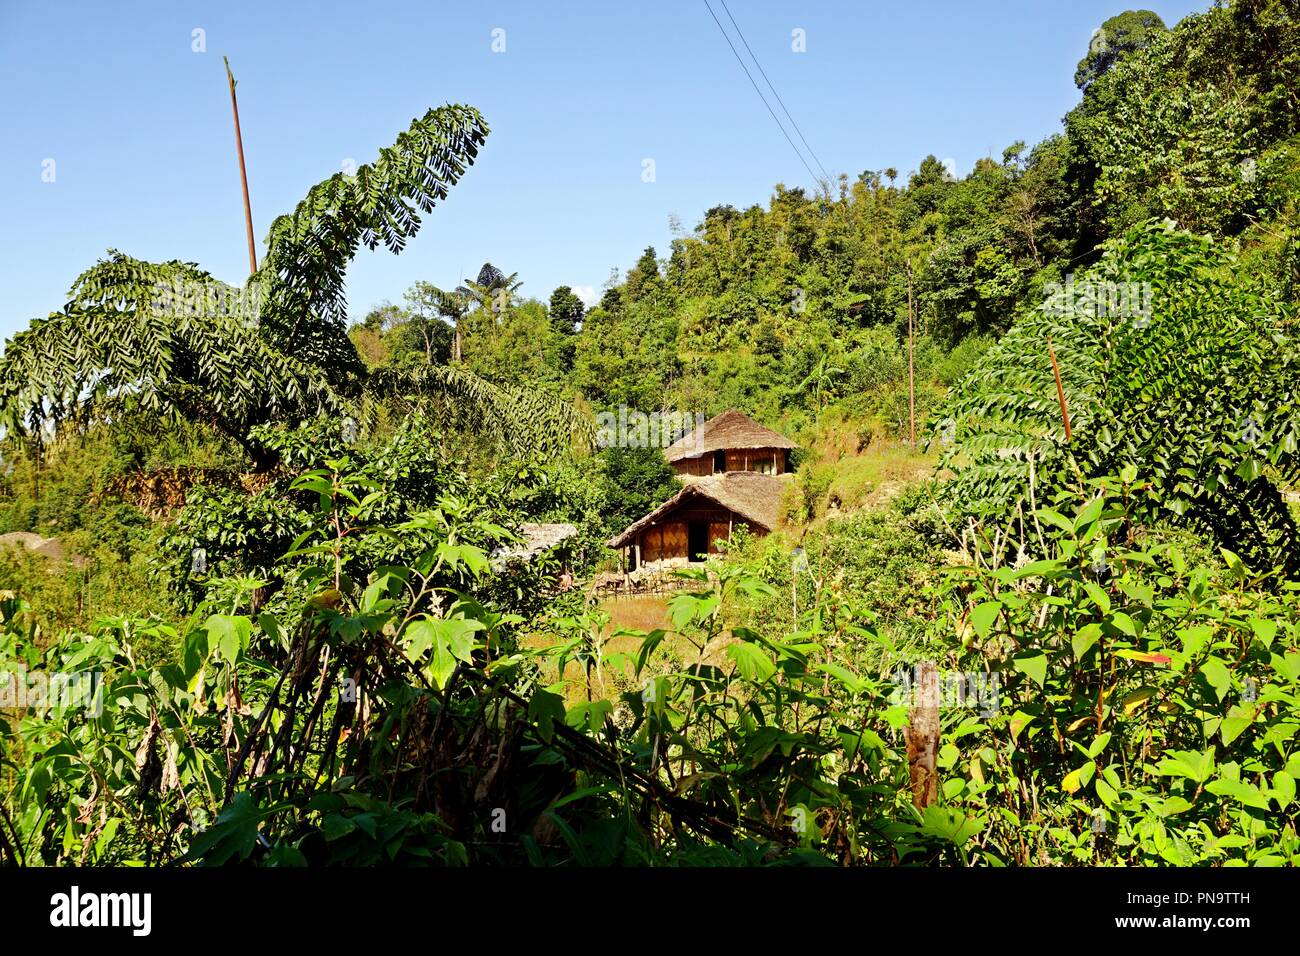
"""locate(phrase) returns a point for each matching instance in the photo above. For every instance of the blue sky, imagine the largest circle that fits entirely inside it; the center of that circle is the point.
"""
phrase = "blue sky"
(139, 127)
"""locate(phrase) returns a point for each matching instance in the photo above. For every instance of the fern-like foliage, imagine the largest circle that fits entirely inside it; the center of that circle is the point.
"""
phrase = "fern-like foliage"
(523, 420)
(308, 251)
(1171, 365)
(180, 342)
(166, 335)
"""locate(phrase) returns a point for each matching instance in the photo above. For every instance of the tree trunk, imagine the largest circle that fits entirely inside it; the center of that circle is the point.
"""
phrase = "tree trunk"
(922, 735)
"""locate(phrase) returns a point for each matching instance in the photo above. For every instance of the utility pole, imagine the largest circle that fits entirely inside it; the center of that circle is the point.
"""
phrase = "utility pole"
(243, 173)
(911, 361)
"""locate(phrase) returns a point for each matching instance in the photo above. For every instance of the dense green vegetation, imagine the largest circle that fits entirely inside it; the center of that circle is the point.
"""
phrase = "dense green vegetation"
(288, 547)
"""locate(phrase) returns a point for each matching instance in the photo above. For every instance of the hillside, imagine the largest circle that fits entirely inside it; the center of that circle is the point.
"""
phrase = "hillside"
(337, 578)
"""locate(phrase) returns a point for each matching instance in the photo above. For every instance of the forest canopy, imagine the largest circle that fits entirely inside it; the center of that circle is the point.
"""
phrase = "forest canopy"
(345, 583)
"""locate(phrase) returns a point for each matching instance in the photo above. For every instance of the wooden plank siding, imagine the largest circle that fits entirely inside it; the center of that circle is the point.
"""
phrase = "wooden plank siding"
(698, 467)
(770, 461)
(669, 539)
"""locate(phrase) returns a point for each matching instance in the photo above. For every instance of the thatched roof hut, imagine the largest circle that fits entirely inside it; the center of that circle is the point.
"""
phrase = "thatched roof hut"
(748, 495)
(734, 472)
(732, 429)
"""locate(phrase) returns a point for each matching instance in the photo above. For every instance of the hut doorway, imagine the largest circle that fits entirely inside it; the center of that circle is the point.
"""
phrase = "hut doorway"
(697, 540)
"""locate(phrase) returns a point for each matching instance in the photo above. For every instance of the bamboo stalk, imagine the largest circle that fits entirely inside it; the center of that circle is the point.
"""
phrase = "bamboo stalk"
(243, 173)
(1060, 390)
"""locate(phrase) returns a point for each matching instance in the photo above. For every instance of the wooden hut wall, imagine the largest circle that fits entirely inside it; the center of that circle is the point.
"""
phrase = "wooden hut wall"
(721, 531)
(670, 538)
(695, 466)
(771, 460)
(665, 540)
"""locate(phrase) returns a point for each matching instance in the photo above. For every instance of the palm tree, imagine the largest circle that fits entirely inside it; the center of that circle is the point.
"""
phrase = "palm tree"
(493, 289)
(822, 380)
(429, 304)
(452, 307)
(173, 339)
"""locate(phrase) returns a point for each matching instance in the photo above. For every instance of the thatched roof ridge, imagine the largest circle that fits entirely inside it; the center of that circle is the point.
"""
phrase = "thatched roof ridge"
(749, 494)
(731, 429)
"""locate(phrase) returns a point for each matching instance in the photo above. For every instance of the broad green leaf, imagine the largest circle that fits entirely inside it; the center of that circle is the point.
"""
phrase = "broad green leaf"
(1019, 721)
(1195, 766)
(1283, 789)
(230, 635)
(950, 824)
(231, 836)
(1216, 672)
(1055, 518)
(1084, 639)
(1236, 723)
(452, 641)
(1264, 630)
(1089, 513)
(752, 662)
(983, 616)
(1098, 745)
(1287, 665)
(591, 715)
(1123, 623)
(1238, 790)
(1194, 638)
(1033, 664)
(543, 710)
(1098, 595)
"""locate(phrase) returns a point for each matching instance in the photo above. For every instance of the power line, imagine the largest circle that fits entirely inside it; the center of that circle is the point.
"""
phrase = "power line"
(775, 118)
(741, 34)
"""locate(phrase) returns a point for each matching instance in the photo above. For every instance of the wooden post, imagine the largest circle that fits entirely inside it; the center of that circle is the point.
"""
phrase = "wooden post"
(911, 364)
(922, 736)
(243, 173)
(1060, 391)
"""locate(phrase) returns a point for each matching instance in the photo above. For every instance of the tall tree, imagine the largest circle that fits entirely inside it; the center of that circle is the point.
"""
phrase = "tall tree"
(566, 310)
(1114, 39)
(434, 319)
